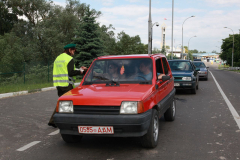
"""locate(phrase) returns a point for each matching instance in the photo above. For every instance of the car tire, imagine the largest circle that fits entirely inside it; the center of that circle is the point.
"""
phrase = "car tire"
(194, 90)
(71, 138)
(170, 114)
(206, 79)
(150, 139)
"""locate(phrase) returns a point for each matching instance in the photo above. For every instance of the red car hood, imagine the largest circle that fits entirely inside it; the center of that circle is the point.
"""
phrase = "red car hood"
(100, 94)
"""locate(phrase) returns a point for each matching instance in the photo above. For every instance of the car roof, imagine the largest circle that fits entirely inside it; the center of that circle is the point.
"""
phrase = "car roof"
(181, 60)
(132, 56)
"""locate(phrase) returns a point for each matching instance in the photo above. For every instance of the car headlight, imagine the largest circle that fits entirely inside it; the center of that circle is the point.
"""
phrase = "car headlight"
(65, 107)
(131, 107)
(186, 78)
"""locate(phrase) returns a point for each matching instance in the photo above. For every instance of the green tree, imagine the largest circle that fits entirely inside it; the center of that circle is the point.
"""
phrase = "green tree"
(8, 17)
(163, 51)
(89, 44)
(193, 51)
(155, 50)
(227, 50)
(129, 45)
(186, 49)
(11, 57)
(108, 39)
(169, 56)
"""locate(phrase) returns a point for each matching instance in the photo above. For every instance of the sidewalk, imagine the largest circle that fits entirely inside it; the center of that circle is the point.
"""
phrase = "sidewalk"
(4, 95)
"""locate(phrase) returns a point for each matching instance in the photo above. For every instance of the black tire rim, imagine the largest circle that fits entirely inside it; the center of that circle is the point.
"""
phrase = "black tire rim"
(155, 128)
(173, 109)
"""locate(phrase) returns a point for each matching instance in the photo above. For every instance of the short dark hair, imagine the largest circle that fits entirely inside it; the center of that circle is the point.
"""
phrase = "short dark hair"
(67, 51)
(146, 62)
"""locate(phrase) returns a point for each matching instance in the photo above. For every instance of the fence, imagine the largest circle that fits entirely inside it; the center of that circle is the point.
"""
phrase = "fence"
(26, 73)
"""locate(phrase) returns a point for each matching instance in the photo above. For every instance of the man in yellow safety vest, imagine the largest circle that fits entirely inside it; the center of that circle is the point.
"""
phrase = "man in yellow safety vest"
(64, 73)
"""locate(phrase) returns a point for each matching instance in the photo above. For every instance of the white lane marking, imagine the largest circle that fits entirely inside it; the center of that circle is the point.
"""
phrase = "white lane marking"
(54, 133)
(28, 145)
(229, 104)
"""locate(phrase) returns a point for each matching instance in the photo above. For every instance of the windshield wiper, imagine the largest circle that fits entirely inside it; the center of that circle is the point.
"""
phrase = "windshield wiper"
(144, 82)
(112, 83)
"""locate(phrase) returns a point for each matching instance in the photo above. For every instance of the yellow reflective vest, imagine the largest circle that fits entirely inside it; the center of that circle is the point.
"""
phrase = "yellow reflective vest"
(60, 71)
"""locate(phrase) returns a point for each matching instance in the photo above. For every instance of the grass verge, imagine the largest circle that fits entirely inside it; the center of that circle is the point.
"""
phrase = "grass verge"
(26, 87)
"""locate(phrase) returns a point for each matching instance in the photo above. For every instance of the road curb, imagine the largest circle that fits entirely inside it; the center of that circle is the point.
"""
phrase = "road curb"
(5, 95)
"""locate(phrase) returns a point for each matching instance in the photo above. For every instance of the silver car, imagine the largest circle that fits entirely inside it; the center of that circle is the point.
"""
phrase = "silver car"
(203, 73)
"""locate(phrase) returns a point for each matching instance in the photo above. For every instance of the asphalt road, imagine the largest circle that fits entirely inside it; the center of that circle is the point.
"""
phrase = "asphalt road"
(204, 128)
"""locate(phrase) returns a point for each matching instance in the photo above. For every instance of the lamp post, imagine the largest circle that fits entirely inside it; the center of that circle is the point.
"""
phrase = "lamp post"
(157, 24)
(233, 45)
(182, 35)
(188, 46)
(149, 30)
(172, 26)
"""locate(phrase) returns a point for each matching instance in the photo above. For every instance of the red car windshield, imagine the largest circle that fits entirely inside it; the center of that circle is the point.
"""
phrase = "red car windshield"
(120, 70)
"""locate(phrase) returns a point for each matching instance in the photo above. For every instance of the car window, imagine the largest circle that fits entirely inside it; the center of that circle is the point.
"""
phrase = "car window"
(159, 68)
(199, 64)
(180, 66)
(120, 70)
(165, 66)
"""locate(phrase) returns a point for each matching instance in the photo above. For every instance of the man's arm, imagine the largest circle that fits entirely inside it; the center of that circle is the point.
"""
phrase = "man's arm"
(159, 75)
(71, 71)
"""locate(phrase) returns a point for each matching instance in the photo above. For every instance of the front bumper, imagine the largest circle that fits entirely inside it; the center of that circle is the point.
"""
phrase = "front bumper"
(203, 75)
(124, 125)
(185, 84)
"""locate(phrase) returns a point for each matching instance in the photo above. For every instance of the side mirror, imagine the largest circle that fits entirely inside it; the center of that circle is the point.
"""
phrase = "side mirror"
(197, 69)
(165, 78)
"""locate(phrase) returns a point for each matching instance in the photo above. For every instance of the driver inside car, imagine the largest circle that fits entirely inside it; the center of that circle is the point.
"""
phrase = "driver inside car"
(146, 71)
(113, 73)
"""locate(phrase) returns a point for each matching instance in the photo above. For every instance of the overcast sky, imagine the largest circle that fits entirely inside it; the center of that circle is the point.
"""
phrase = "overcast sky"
(131, 16)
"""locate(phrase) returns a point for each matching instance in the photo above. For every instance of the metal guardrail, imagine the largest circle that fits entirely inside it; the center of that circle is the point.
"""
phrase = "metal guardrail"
(234, 68)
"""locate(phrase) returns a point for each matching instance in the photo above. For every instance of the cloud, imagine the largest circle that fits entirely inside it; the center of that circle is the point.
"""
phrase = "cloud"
(133, 1)
(224, 2)
(207, 25)
(107, 2)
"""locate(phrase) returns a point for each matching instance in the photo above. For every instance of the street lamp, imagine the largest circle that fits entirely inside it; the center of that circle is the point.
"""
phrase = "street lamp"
(182, 34)
(233, 45)
(149, 30)
(172, 27)
(157, 24)
(188, 46)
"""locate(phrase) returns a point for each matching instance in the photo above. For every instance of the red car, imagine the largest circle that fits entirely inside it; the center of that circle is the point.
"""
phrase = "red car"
(120, 96)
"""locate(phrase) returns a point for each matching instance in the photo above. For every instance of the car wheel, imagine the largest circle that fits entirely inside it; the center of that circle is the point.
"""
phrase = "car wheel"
(150, 139)
(206, 78)
(194, 90)
(71, 138)
(169, 115)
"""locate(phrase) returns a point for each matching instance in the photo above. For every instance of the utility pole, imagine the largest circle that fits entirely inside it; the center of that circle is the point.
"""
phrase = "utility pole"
(149, 30)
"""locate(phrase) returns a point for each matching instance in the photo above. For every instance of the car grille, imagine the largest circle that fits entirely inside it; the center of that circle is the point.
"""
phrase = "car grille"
(102, 110)
(177, 77)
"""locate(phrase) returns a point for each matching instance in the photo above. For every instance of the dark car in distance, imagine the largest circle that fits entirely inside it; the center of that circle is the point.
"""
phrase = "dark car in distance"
(185, 75)
(203, 73)
(197, 60)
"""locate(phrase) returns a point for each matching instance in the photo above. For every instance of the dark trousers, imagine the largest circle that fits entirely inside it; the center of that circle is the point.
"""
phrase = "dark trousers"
(61, 91)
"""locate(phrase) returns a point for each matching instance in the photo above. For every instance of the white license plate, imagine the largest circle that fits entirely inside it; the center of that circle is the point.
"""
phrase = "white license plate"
(95, 129)
(176, 84)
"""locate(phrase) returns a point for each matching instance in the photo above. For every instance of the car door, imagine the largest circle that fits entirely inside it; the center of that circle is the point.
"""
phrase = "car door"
(195, 72)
